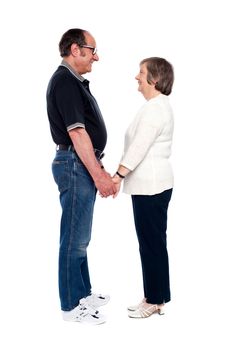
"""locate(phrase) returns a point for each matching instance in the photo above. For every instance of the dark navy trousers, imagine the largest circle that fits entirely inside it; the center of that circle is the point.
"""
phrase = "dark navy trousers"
(150, 216)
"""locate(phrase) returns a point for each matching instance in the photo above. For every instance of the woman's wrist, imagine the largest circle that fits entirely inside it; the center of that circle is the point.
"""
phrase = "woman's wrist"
(117, 179)
(120, 175)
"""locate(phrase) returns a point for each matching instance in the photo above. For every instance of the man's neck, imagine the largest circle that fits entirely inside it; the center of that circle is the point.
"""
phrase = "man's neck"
(66, 62)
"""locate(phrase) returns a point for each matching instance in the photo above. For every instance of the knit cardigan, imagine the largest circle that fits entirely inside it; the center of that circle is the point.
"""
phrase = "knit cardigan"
(147, 149)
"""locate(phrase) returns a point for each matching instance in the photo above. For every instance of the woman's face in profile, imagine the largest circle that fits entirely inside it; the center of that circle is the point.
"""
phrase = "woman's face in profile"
(141, 77)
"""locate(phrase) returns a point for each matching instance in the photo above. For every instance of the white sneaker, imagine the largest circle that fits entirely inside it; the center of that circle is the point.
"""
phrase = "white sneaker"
(84, 313)
(97, 300)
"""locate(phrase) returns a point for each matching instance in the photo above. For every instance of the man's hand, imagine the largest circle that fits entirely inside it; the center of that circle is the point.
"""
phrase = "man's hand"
(105, 185)
(84, 149)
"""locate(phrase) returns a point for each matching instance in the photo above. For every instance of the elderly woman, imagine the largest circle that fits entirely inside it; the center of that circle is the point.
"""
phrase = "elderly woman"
(148, 178)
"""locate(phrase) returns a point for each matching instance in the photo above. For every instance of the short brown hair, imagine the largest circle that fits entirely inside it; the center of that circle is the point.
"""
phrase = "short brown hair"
(70, 37)
(161, 71)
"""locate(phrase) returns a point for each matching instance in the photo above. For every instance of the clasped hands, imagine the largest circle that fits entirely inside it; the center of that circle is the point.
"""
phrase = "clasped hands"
(108, 185)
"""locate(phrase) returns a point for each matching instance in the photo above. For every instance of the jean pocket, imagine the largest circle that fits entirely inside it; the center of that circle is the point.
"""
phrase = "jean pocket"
(60, 170)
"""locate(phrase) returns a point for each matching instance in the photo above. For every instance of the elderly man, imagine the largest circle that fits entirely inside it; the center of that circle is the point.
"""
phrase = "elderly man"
(79, 132)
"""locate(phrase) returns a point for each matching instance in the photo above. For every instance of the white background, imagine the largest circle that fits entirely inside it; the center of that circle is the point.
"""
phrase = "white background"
(190, 34)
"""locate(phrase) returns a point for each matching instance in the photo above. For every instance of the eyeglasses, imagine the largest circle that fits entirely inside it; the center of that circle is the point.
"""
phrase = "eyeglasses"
(94, 49)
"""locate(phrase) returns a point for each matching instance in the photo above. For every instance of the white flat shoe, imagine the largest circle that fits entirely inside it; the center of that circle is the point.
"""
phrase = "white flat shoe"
(135, 307)
(143, 311)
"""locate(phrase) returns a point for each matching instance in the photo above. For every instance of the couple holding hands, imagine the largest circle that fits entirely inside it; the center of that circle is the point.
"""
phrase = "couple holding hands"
(78, 130)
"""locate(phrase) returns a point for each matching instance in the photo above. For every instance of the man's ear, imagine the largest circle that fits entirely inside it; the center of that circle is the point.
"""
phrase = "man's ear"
(74, 49)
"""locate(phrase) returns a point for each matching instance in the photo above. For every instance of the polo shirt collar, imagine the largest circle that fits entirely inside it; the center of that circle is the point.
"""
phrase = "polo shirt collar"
(66, 65)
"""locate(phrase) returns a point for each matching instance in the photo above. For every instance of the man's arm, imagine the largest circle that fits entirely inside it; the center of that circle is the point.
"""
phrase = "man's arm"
(84, 148)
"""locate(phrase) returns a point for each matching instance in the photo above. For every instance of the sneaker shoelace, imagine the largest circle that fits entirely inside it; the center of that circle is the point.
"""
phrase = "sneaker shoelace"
(88, 310)
(98, 296)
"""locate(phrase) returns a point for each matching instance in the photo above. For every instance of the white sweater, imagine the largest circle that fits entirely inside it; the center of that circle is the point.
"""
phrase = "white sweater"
(147, 149)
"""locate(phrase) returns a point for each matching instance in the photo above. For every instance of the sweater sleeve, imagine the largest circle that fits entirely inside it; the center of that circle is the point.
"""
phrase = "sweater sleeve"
(147, 130)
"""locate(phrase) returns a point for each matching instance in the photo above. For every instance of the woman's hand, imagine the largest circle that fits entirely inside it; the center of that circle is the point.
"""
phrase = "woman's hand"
(117, 181)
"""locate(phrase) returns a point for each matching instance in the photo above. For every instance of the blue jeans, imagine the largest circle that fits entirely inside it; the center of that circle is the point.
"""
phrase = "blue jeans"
(77, 198)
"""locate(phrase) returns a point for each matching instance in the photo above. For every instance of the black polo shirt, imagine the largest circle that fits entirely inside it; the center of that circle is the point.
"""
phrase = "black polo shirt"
(70, 105)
